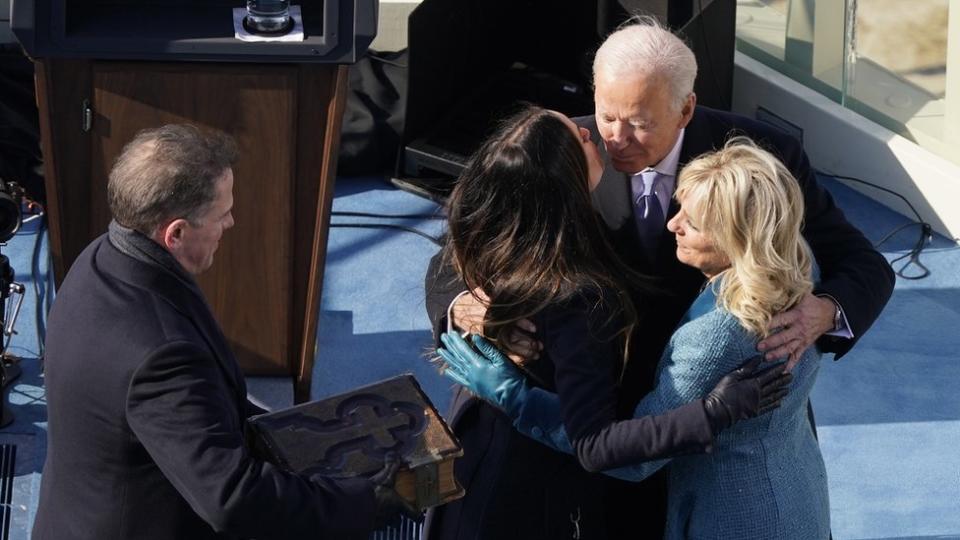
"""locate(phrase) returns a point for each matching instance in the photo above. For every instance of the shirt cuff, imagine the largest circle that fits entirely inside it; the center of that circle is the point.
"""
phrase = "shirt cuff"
(450, 325)
(844, 328)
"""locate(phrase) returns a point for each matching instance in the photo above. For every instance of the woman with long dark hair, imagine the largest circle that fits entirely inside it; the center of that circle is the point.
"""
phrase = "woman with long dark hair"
(523, 236)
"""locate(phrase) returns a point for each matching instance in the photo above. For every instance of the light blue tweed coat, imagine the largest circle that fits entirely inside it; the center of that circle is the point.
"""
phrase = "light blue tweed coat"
(763, 479)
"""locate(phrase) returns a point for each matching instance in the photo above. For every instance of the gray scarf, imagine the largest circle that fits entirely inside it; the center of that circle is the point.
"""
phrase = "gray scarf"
(135, 244)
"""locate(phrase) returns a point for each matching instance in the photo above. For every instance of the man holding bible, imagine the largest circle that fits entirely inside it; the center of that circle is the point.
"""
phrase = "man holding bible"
(147, 406)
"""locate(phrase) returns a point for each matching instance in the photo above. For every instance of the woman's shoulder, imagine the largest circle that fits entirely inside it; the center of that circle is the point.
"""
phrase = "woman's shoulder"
(706, 314)
(716, 325)
(589, 300)
(714, 334)
(598, 309)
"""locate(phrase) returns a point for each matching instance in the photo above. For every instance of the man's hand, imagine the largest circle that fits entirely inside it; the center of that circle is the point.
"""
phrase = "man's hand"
(800, 328)
(390, 505)
(468, 314)
(469, 310)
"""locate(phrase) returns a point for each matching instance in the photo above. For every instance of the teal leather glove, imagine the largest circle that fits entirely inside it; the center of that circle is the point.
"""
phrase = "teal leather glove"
(485, 371)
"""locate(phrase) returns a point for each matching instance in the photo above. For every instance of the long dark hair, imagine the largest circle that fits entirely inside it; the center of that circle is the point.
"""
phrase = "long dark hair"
(523, 230)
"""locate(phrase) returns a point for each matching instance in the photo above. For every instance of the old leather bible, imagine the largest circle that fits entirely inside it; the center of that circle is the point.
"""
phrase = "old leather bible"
(350, 434)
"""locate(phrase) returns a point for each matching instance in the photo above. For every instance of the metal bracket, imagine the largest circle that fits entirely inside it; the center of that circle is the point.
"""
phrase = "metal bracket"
(86, 115)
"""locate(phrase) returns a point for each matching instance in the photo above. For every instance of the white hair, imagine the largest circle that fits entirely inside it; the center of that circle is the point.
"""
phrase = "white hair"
(644, 47)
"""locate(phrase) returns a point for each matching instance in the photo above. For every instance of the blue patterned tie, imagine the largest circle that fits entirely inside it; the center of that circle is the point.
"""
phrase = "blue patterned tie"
(648, 214)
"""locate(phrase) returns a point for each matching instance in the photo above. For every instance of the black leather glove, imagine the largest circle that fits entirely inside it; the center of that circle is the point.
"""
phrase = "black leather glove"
(745, 392)
(390, 505)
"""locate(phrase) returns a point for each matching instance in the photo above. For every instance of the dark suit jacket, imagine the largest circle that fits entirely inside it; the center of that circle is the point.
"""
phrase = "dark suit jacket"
(147, 409)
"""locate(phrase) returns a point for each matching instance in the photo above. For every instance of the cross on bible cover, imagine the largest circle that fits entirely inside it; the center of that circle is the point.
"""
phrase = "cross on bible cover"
(350, 434)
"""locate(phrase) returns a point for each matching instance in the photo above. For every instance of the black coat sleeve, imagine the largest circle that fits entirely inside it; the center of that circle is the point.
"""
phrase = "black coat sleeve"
(851, 270)
(677, 432)
(185, 416)
(440, 286)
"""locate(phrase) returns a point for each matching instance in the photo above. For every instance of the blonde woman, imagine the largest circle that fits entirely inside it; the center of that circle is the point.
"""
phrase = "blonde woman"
(739, 223)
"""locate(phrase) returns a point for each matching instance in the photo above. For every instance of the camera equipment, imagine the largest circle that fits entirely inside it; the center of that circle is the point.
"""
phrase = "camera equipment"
(11, 196)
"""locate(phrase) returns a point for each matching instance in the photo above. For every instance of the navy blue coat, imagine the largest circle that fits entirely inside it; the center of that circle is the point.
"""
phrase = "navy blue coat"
(147, 410)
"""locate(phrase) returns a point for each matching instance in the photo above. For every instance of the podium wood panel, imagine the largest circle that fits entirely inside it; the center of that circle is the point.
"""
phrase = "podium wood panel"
(264, 286)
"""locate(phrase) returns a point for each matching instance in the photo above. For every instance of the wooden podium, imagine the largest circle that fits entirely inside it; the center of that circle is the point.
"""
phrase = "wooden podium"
(266, 280)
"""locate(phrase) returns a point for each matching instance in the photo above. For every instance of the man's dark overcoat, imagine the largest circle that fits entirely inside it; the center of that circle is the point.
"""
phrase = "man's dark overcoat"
(147, 409)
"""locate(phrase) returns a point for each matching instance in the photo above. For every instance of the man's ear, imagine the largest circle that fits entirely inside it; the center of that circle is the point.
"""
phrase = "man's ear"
(686, 112)
(170, 236)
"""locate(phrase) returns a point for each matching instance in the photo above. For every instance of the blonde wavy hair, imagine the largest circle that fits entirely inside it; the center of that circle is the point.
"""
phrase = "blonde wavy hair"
(747, 201)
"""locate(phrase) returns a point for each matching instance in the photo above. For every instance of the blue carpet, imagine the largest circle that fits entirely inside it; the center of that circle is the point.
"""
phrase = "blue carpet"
(373, 323)
(888, 413)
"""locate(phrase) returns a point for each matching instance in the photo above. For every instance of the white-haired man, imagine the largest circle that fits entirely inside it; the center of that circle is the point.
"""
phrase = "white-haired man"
(650, 125)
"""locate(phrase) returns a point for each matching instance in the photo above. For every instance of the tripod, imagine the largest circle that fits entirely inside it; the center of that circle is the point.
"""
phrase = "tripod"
(8, 371)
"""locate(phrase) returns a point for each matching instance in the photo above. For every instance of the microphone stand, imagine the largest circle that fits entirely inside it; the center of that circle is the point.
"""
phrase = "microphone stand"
(8, 370)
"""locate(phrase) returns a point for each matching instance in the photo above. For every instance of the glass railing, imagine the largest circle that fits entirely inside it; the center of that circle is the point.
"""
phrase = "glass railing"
(885, 59)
